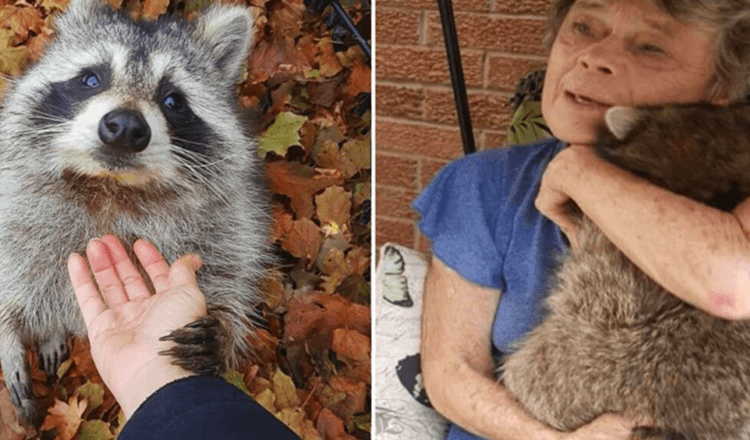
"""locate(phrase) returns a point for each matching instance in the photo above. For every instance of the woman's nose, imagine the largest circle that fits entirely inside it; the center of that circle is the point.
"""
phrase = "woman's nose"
(602, 57)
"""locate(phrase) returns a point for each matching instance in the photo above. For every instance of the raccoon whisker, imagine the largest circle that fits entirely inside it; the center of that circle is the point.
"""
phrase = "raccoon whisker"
(207, 183)
(197, 157)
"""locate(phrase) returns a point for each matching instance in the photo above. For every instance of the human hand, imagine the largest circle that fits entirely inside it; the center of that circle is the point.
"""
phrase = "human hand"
(606, 427)
(125, 321)
(558, 184)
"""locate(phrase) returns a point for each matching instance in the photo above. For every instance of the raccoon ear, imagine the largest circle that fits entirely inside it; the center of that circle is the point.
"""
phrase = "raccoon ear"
(227, 33)
(620, 120)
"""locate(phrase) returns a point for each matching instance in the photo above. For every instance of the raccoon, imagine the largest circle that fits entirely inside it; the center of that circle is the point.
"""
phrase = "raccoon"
(129, 128)
(615, 341)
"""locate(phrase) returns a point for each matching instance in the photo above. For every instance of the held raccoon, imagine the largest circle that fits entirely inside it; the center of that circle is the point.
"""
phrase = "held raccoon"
(131, 129)
(615, 341)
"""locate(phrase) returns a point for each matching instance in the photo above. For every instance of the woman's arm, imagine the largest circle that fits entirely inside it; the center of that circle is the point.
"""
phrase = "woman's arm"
(700, 254)
(458, 369)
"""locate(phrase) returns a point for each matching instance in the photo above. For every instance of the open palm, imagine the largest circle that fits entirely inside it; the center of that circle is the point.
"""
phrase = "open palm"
(125, 320)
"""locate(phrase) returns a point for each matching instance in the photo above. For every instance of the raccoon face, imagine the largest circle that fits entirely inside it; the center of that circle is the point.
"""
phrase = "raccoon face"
(134, 102)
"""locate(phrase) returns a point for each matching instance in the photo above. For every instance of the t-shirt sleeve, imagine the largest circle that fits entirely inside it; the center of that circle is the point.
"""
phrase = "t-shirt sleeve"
(461, 211)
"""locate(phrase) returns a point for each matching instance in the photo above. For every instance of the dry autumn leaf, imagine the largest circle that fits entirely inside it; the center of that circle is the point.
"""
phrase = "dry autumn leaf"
(299, 183)
(303, 239)
(66, 418)
(282, 134)
(334, 205)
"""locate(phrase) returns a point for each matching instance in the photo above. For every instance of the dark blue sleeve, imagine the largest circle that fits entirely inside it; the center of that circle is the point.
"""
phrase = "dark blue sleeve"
(203, 407)
(461, 210)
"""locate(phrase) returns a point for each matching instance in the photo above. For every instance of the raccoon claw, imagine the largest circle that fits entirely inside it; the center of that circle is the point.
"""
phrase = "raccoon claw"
(198, 346)
(51, 355)
(21, 397)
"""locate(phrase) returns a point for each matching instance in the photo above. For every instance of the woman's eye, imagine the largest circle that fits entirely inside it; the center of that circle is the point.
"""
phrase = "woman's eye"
(651, 49)
(581, 28)
(173, 101)
(90, 80)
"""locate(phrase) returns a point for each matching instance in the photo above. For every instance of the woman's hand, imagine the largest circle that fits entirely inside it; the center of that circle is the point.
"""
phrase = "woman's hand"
(125, 321)
(558, 182)
(606, 427)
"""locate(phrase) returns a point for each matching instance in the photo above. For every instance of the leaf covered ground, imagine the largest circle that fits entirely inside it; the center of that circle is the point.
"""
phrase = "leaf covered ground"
(308, 88)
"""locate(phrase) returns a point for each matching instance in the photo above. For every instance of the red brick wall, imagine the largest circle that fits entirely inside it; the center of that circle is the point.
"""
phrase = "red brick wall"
(416, 129)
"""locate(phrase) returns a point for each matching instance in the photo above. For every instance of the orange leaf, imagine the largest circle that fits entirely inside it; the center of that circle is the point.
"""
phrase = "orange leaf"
(319, 312)
(55, 4)
(331, 426)
(303, 240)
(10, 428)
(21, 20)
(154, 8)
(351, 344)
(299, 183)
(359, 79)
(36, 45)
(65, 418)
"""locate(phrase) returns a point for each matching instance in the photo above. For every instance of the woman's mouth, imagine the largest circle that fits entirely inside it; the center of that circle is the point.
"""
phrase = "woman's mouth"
(586, 101)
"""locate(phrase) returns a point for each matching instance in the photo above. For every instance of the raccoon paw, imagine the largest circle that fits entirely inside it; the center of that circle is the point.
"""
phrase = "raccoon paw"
(198, 346)
(27, 407)
(51, 354)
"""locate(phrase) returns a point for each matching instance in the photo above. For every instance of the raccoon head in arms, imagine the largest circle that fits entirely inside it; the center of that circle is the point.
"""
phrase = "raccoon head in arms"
(696, 150)
(132, 129)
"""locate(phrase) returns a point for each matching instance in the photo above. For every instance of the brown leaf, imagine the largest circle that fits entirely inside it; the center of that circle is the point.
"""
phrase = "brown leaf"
(286, 20)
(303, 240)
(334, 206)
(334, 265)
(10, 429)
(286, 393)
(65, 418)
(328, 63)
(358, 260)
(36, 45)
(353, 349)
(319, 312)
(95, 430)
(12, 59)
(153, 8)
(345, 397)
(299, 183)
(296, 419)
(331, 426)
(359, 79)
(21, 20)
(55, 4)
(282, 222)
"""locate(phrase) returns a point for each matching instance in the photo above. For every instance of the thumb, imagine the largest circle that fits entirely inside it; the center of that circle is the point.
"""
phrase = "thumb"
(183, 270)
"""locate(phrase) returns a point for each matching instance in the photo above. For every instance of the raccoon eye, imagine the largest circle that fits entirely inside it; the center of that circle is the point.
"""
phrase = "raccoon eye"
(174, 101)
(90, 80)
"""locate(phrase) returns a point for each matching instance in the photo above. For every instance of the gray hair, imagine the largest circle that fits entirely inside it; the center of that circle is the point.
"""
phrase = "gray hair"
(730, 19)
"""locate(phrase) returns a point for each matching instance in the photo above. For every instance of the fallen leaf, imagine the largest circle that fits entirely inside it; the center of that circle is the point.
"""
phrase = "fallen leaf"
(286, 393)
(55, 4)
(282, 134)
(11, 429)
(334, 205)
(331, 426)
(297, 420)
(236, 379)
(316, 312)
(151, 9)
(21, 20)
(303, 240)
(95, 430)
(359, 78)
(299, 183)
(93, 393)
(65, 418)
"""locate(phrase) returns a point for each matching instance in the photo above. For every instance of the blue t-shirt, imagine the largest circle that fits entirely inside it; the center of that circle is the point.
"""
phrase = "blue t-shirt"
(479, 214)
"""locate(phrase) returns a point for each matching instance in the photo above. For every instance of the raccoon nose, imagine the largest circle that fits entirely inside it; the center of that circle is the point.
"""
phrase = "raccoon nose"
(124, 131)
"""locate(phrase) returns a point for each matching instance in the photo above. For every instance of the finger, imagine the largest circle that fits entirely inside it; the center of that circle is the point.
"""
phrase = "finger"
(154, 264)
(183, 271)
(87, 294)
(104, 272)
(129, 276)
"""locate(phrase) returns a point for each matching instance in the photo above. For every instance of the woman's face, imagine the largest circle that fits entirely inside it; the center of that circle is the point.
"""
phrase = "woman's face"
(610, 52)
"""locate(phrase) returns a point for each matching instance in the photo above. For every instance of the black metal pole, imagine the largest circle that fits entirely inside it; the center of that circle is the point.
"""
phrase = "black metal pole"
(352, 28)
(457, 74)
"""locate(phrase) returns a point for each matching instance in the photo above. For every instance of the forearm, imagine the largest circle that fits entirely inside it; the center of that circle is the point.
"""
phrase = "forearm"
(457, 365)
(698, 253)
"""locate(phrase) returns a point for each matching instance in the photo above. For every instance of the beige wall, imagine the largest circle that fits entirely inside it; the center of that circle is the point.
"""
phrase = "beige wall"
(416, 128)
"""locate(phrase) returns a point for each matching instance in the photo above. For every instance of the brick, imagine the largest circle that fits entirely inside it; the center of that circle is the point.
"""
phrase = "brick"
(394, 231)
(488, 110)
(428, 169)
(525, 7)
(395, 202)
(395, 171)
(490, 32)
(399, 102)
(418, 139)
(397, 26)
(494, 139)
(503, 73)
(458, 5)
(425, 65)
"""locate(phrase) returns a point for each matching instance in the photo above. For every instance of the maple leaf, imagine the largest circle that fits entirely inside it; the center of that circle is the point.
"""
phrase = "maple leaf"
(297, 420)
(320, 312)
(299, 183)
(328, 62)
(35, 45)
(94, 395)
(21, 20)
(282, 134)
(331, 426)
(12, 59)
(345, 397)
(65, 417)
(286, 393)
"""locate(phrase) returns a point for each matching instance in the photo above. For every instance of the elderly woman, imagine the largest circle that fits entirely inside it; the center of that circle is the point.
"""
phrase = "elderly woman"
(496, 219)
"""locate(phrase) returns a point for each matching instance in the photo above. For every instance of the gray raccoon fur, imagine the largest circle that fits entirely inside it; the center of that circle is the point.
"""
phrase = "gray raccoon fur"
(131, 129)
(615, 341)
